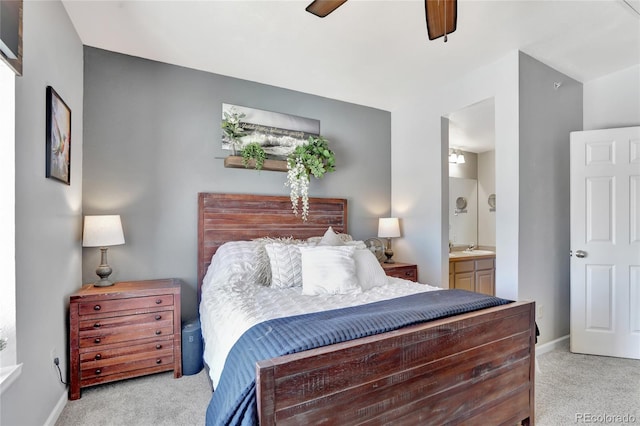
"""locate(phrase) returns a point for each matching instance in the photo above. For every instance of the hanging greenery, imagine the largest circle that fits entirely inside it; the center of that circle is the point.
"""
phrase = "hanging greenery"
(256, 152)
(313, 158)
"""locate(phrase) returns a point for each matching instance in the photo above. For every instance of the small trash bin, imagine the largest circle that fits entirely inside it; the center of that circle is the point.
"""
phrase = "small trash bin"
(192, 348)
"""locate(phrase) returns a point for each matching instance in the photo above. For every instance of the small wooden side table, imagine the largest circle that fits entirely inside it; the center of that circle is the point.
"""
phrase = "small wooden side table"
(405, 271)
(129, 329)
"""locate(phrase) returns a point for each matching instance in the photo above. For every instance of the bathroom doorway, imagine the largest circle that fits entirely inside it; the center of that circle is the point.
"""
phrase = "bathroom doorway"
(472, 187)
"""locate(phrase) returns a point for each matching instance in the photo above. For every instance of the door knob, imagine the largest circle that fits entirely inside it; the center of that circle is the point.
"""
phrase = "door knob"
(581, 254)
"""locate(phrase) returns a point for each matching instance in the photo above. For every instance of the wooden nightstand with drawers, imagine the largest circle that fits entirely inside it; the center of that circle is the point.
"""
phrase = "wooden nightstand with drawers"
(126, 330)
(405, 271)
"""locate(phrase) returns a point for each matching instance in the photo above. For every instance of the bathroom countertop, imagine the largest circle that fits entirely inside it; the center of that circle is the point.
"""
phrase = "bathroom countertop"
(470, 254)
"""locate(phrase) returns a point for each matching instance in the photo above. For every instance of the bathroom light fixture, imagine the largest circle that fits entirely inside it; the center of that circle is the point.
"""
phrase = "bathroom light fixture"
(456, 156)
(102, 231)
(388, 227)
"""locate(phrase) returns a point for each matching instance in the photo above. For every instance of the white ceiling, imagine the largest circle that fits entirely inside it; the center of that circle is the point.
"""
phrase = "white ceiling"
(473, 127)
(374, 53)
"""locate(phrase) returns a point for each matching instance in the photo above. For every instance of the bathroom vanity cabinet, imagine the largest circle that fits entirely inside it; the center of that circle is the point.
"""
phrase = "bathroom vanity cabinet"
(473, 273)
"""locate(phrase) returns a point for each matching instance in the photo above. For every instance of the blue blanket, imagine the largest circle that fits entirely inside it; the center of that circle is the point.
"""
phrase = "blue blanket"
(234, 400)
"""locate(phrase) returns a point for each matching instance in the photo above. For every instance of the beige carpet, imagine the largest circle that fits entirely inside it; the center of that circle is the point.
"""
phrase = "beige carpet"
(155, 400)
(585, 389)
(567, 385)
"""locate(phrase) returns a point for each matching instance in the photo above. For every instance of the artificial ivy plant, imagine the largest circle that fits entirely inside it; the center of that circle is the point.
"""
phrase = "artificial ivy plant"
(253, 151)
(312, 158)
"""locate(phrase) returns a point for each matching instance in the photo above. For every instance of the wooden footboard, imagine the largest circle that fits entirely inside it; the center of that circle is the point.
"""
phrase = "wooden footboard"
(475, 368)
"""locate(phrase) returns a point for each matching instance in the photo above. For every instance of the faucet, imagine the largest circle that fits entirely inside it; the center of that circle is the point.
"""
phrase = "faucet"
(471, 246)
(450, 246)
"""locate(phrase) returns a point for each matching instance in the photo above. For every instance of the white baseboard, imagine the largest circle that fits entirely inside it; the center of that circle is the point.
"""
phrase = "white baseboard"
(549, 346)
(57, 410)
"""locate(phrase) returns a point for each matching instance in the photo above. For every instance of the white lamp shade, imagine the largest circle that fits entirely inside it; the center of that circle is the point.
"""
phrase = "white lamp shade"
(102, 231)
(388, 227)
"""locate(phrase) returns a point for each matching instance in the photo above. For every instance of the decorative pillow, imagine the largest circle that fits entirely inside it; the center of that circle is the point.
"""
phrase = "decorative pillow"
(237, 261)
(370, 273)
(330, 238)
(285, 263)
(358, 244)
(345, 238)
(329, 270)
(263, 257)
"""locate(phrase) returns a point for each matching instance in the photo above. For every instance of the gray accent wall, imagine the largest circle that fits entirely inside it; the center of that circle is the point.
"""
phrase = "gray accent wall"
(48, 217)
(547, 116)
(152, 142)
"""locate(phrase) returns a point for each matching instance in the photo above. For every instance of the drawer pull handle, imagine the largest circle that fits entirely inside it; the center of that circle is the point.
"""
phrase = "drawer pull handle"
(158, 332)
(97, 340)
(158, 301)
(96, 325)
(158, 346)
(96, 308)
(158, 361)
(158, 317)
(98, 356)
(98, 371)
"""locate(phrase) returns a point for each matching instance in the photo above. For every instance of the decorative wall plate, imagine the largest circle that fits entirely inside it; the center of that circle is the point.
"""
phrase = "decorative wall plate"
(492, 201)
(376, 246)
(461, 203)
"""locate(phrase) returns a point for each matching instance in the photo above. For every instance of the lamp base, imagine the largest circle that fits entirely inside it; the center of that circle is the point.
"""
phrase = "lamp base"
(103, 270)
(103, 283)
(389, 252)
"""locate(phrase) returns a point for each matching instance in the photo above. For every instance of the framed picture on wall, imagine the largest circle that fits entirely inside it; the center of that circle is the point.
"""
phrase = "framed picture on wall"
(58, 138)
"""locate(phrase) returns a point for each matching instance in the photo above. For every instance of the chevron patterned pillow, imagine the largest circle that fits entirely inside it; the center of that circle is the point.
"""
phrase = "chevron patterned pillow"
(286, 265)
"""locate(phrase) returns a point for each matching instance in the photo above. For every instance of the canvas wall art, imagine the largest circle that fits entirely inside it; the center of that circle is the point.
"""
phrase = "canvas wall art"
(58, 140)
(277, 133)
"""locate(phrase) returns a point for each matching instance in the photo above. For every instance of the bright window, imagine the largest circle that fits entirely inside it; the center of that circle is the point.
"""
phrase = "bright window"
(7, 223)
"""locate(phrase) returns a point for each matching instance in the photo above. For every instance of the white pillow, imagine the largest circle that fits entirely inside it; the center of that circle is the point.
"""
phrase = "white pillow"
(358, 244)
(370, 273)
(345, 238)
(264, 268)
(329, 270)
(237, 261)
(285, 265)
(330, 238)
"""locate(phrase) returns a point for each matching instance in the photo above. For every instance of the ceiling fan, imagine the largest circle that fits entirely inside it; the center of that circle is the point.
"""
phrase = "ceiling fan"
(441, 15)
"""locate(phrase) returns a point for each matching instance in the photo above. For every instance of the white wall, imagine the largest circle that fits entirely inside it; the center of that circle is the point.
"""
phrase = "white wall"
(486, 187)
(420, 174)
(531, 163)
(613, 100)
(48, 215)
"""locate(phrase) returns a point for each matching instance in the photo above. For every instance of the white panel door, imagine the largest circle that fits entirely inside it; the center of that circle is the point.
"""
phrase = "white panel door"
(605, 242)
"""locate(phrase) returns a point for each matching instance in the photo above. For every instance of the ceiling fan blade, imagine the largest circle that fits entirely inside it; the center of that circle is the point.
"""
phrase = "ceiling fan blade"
(435, 12)
(322, 8)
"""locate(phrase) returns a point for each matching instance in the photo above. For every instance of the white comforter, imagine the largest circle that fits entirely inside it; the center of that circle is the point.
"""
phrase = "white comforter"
(229, 309)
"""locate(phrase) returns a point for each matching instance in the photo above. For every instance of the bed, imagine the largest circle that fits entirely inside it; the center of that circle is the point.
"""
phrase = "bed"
(472, 368)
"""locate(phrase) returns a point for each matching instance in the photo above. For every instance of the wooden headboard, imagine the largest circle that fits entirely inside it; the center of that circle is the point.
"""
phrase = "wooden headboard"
(234, 217)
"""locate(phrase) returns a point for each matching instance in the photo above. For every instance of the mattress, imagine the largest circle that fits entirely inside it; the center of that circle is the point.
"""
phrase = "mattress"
(229, 308)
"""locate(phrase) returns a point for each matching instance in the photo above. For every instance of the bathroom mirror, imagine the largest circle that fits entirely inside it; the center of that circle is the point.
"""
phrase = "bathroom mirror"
(463, 211)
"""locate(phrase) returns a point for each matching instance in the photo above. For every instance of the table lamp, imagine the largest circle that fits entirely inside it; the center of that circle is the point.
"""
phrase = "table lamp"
(102, 231)
(388, 227)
